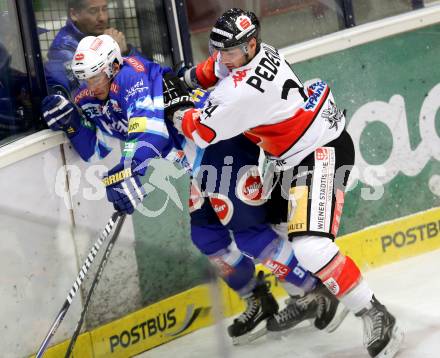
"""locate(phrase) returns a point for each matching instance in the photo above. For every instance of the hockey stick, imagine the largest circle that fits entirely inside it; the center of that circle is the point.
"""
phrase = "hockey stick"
(95, 282)
(76, 285)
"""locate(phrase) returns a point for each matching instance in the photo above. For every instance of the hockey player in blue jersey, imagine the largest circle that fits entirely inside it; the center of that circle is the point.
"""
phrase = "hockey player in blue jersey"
(124, 99)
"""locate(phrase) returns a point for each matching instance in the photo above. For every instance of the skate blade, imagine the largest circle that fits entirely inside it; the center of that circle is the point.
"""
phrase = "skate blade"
(339, 317)
(393, 345)
(249, 337)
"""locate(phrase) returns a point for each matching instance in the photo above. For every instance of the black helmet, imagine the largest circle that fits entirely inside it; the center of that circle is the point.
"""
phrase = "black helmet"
(233, 28)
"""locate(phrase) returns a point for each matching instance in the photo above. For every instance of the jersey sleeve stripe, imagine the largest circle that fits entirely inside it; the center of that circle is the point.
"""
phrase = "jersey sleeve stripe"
(277, 139)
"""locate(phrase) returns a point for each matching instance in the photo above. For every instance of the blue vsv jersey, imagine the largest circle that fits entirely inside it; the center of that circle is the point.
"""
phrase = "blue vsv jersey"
(133, 113)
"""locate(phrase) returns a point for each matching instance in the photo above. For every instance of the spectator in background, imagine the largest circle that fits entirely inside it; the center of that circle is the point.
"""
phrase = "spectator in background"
(85, 18)
(15, 99)
(11, 114)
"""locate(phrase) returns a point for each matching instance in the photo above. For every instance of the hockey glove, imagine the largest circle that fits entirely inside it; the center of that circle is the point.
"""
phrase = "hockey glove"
(124, 189)
(176, 95)
(60, 114)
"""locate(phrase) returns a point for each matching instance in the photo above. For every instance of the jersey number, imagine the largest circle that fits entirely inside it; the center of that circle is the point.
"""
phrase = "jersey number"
(209, 109)
(288, 85)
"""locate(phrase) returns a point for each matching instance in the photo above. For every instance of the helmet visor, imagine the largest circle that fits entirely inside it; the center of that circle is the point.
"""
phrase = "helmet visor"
(230, 54)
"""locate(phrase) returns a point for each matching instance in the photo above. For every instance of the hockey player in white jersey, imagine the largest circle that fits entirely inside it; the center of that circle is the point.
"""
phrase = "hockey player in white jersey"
(302, 133)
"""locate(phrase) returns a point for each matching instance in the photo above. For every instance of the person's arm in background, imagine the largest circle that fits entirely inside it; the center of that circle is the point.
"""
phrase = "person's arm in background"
(126, 48)
(59, 77)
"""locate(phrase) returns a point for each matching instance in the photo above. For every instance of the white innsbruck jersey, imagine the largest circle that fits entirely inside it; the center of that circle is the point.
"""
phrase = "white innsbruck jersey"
(267, 102)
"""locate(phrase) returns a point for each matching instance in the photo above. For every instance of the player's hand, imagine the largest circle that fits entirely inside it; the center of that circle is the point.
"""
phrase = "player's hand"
(124, 189)
(119, 37)
(60, 114)
(176, 95)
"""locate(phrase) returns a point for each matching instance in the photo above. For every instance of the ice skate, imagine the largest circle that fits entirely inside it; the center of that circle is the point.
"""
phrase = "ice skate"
(330, 313)
(318, 305)
(251, 324)
(382, 337)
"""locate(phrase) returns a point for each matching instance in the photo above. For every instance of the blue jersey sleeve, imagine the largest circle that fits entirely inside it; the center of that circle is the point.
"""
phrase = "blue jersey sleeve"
(89, 140)
(142, 102)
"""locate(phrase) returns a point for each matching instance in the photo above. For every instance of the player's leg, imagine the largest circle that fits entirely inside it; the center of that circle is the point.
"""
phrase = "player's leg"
(235, 199)
(238, 271)
(309, 300)
(246, 216)
(342, 277)
(312, 227)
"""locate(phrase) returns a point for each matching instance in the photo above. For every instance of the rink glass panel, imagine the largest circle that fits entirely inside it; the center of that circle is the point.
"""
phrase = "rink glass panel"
(371, 10)
(142, 22)
(52, 16)
(283, 22)
(16, 115)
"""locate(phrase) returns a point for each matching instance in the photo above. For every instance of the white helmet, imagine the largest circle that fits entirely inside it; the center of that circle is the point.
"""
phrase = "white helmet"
(95, 55)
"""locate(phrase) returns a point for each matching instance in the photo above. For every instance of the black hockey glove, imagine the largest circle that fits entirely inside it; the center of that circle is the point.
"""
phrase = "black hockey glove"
(61, 114)
(176, 95)
(187, 75)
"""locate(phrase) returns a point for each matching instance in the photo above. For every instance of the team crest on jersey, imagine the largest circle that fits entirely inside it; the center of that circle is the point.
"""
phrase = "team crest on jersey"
(199, 97)
(239, 75)
(243, 22)
(223, 207)
(333, 115)
(250, 188)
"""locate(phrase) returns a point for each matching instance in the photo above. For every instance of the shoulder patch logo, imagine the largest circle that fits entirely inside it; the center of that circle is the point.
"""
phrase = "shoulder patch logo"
(137, 65)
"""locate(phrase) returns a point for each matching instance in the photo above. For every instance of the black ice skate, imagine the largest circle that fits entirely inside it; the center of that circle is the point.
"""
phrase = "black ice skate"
(251, 324)
(330, 312)
(319, 305)
(382, 337)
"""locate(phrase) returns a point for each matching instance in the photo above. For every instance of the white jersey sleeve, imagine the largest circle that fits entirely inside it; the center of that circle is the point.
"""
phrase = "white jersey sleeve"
(267, 102)
(250, 97)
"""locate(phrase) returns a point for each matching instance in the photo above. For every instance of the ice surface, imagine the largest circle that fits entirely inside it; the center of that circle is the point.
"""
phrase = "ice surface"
(410, 289)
